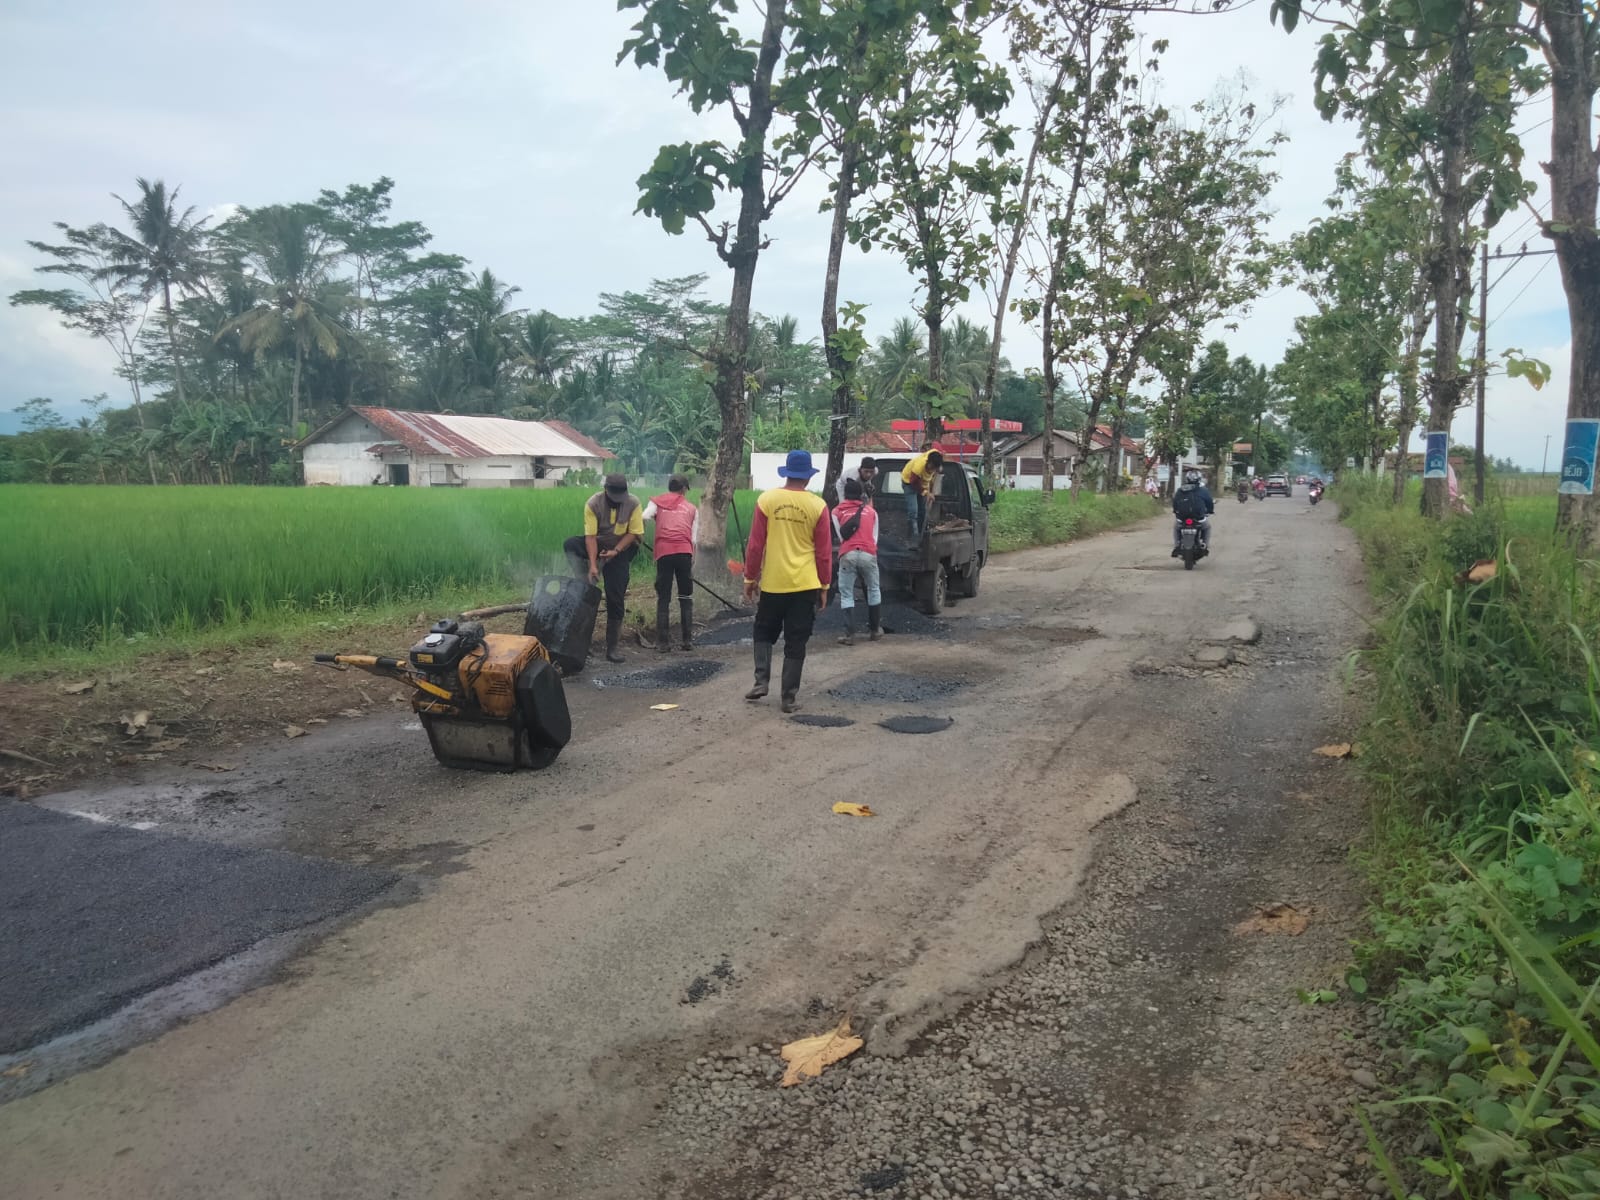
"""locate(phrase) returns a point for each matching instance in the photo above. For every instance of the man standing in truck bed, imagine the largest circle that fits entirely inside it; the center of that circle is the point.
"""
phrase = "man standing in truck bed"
(788, 563)
(920, 479)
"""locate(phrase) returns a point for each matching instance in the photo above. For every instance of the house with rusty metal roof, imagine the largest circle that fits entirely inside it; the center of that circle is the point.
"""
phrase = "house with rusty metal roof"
(365, 445)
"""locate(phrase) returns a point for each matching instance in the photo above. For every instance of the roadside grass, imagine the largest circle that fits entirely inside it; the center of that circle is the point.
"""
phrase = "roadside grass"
(1482, 754)
(1020, 519)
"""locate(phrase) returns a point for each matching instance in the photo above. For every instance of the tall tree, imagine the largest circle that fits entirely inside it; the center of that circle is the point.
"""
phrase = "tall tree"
(941, 152)
(699, 46)
(288, 250)
(164, 250)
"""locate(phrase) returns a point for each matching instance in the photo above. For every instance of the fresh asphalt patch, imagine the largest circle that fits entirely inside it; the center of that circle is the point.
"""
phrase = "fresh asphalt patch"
(97, 915)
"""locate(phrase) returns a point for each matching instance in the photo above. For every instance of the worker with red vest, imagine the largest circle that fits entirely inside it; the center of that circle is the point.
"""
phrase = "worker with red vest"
(855, 524)
(677, 530)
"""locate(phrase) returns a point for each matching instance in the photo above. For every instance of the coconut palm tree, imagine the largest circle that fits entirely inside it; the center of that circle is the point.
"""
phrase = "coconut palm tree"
(542, 347)
(288, 251)
(900, 358)
(165, 249)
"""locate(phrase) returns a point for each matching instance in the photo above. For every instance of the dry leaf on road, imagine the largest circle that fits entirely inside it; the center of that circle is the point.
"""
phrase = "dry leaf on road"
(284, 665)
(1335, 750)
(662, 707)
(18, 1071)
(352, 712)
(1275, 918)
(852, 810)
(215, 766)
(78, 689)
(134, 725)
(808, 1056)
(293, 731)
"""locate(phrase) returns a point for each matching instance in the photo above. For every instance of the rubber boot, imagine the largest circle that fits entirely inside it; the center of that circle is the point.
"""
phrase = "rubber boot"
(663, 627)
(791, 683)
(849, 638)
(874, 622)
(613, 636)
(686, 620)
(763, 672)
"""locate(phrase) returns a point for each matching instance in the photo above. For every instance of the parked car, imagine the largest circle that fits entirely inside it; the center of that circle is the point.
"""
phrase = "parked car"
(948, 559)
(1278, 485)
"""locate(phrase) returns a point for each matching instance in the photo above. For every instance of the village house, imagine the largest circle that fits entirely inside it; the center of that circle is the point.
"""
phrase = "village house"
(364, 446)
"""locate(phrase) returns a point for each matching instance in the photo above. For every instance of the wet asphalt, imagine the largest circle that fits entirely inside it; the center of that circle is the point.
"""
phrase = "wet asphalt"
(97, 914)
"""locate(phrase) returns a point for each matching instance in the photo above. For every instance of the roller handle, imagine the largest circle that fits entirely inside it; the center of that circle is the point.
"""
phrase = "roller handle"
(361, 660)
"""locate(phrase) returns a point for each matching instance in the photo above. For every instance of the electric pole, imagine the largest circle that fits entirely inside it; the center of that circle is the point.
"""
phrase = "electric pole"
(1483, 369)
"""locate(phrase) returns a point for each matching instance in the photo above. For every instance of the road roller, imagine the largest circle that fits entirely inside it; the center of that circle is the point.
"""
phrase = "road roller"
(488, 701)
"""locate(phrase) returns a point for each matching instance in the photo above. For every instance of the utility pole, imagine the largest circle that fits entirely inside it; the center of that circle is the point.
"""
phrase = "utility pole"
(1483, 368)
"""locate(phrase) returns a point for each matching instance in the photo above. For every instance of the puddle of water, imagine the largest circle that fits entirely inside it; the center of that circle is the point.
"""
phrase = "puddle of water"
(895, 687)
(671, 675)
(822, 720)
(915, 724)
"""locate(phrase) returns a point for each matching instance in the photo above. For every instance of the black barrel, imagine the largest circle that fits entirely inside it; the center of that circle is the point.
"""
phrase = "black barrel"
(561, 614)
(546, 723)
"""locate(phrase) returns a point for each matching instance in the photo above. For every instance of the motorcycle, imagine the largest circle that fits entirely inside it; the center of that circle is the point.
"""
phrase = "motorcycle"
(1315, 493)
(1261, 490)
(1191, 547)
(1244, 493)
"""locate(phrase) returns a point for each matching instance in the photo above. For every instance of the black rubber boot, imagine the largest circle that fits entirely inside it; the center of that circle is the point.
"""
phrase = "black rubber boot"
(663, 626)
(763, 672)
(686, 620)
(849, 638)
(791, 683)
(874, 621)
(613, 636)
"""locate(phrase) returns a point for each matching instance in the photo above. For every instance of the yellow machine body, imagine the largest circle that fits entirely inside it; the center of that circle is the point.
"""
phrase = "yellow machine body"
(487, 676)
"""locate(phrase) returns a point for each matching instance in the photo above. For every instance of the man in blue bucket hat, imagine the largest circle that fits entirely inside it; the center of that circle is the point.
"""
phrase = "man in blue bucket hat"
(787, 564)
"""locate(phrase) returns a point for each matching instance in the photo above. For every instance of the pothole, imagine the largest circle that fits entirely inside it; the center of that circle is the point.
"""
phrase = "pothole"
(822, 720)
(916, 724)
(895, 687)
(673, 675)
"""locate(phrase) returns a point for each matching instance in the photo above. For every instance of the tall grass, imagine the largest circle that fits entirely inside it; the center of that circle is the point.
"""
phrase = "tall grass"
(1021, 519)
(1483, 752)
(90, 564)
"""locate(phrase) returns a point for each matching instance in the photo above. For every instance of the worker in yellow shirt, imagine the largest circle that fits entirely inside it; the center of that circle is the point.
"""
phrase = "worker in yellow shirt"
(920, 478)
(788, 564)
(613, 523)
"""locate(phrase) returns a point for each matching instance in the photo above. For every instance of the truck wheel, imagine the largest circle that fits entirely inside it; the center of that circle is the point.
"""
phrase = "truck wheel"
(968, 581)
(930, 590)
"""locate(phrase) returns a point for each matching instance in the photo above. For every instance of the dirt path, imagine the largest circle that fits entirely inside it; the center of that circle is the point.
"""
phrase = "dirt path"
(676, 888)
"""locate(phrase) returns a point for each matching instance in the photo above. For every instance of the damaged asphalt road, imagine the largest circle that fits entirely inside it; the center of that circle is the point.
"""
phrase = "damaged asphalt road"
(514, 1031)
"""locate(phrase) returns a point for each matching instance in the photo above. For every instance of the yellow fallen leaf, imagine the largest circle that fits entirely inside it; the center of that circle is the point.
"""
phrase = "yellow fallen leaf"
(293, 731)
(808, 1056)
(18, 1071)
(852, 810)
(78, 689)
(1335, 750)
(662, 707)
(284, 665)
(1275, 918)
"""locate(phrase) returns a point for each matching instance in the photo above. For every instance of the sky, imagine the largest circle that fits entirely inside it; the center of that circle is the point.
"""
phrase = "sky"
(510, 132)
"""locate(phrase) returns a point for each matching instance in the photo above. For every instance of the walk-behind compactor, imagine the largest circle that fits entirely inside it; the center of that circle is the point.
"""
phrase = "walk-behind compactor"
(488, 701)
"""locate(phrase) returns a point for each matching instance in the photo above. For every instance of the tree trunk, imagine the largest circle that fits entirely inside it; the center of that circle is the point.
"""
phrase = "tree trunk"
(1008, 269)
(1047, 448)
(1574, 191)
(933, 429)
(1446, 271)
(172, 342)
(839, 427)
(732, 353)
(294, 390)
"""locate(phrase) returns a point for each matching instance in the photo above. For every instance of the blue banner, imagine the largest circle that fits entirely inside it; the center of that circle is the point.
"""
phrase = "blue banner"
(1436, 460)
(1577, 459)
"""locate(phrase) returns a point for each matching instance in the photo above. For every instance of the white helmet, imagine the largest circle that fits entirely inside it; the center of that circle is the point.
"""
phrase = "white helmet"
(1191, 476)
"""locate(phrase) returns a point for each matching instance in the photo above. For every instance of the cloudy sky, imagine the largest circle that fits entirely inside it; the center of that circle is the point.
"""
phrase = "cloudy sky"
(510, 134)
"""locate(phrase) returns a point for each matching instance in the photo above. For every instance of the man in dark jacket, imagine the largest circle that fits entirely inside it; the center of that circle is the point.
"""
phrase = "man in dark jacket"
(1192, 500)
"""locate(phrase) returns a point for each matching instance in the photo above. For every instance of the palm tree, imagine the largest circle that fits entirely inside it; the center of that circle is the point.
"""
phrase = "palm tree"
(166, 249)
(900, 357)
(288, 251)
(485, 303)
(542, 347)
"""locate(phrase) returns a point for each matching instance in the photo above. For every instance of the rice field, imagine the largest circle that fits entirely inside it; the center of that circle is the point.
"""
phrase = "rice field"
(87, 567)
(90, 565)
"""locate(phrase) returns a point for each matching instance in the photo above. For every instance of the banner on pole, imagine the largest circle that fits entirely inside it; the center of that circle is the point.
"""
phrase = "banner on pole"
(1578, 457)
(1436, 461)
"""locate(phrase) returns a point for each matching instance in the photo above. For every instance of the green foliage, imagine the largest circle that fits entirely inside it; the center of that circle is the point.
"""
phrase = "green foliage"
(1020, 519)
(1483, 749)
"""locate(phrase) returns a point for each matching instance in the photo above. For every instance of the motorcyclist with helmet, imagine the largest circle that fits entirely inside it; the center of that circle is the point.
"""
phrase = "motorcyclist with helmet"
(1192, 500)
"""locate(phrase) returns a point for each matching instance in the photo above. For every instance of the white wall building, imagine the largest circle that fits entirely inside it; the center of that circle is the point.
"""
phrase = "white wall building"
(363, 446)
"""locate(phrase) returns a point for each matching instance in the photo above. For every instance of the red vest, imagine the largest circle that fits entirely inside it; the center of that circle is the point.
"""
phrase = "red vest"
(674, 524)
